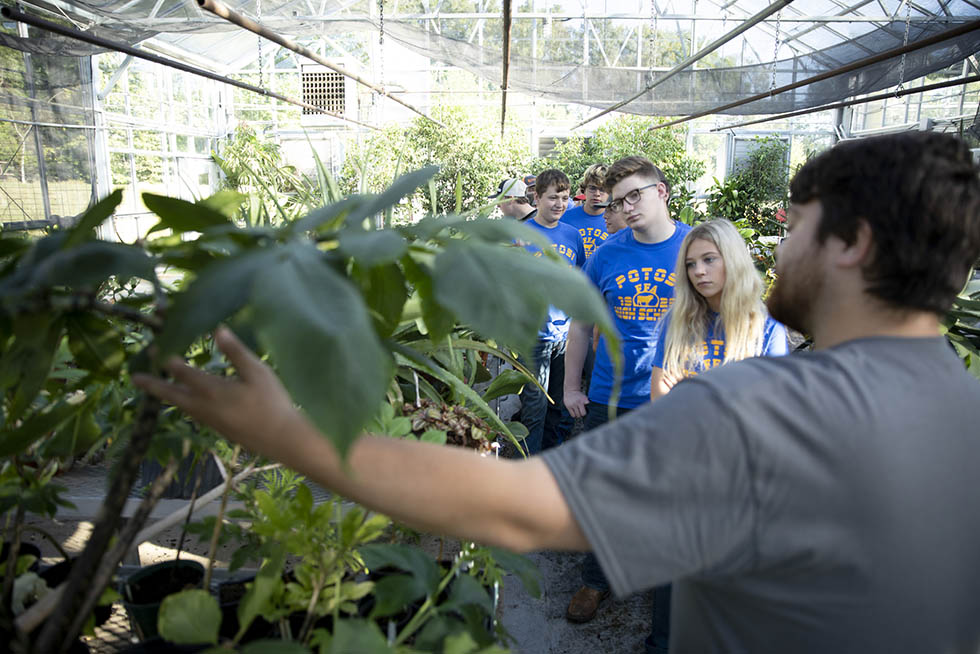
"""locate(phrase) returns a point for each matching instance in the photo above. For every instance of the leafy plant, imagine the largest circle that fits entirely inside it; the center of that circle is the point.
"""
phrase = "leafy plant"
(962, 326)
(328, 283)
(757, 190)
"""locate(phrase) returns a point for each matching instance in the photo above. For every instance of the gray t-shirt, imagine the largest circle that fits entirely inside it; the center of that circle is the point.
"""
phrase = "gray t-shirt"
(826, 502)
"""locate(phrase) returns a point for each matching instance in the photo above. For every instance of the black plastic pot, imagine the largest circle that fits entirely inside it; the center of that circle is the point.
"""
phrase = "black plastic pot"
(230, 594)
(23, 550)
(144, 590)
(58, 573)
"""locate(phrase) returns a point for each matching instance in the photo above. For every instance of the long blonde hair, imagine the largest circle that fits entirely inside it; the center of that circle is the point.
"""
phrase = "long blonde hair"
(742, 316)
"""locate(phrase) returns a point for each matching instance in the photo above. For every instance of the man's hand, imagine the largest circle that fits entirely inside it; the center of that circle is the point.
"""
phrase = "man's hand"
(252, 409)
(575, 402)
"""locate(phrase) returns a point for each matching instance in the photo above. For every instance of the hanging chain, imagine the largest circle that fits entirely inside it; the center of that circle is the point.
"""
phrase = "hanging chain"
(905, 42)
(654, 20)
(775, 51)
(381, 40)
(258, 18)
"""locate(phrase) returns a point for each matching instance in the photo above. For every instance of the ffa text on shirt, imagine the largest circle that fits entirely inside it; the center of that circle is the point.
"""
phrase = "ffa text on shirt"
(713, 352)
(592, 237)
(645, 303)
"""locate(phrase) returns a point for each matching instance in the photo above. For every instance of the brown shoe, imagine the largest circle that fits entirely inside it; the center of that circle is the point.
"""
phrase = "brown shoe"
(584, 604)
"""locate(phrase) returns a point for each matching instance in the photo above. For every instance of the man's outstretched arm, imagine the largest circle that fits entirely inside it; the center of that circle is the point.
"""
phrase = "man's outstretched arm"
(446, 490)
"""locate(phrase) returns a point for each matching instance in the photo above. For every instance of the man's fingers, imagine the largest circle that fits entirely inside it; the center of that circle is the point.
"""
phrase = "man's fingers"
(244, 360)
(166, 391)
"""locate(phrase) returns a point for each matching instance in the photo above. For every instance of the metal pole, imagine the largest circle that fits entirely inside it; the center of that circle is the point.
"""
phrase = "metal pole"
(708, 49)
(13, 14)
(506, 68)
(220, 9)
(848, 103)
(855, 65)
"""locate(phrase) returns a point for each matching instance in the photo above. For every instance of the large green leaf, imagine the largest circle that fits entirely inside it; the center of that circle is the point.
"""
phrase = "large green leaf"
(357, 637)
(504, 293)
(217, 292)
(226, 202)
(273, 647)
(84, 229)
(25, 366)
(506, 382)
(466, 590)
(315, 324)
(181, 215)
(395, 592)
(96, 344)
(400, 188)
(91, 263)
(39, 425)
(372, 248)
(520, 566)
(190, 617)
(437, 319)
(410, 559)
(385, 292)
(326, 216)
(256, 600)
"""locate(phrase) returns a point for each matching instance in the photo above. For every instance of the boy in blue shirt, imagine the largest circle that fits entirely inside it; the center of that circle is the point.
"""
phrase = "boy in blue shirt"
(634, 271)
(548, 424)
(587, 219)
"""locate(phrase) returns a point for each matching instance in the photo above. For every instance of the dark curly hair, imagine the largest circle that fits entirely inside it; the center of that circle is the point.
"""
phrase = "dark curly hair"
(919, 192)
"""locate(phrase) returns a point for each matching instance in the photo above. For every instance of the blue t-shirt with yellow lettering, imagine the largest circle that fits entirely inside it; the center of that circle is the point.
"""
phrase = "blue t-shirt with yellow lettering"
(591, 228)
(568, 243)
(775, 342)
(637, 281)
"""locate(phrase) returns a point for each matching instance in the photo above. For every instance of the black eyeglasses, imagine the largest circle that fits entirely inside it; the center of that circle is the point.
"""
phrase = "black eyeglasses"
(632, 197)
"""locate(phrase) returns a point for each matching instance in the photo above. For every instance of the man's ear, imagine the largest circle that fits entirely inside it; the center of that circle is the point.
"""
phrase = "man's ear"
(860, 251)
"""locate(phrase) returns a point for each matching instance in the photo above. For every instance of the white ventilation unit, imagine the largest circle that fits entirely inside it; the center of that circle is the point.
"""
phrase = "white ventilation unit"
(329, 90)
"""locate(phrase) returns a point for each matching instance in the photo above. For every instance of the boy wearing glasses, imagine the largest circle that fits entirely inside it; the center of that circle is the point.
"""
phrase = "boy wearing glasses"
(634, 271)
(587, 218)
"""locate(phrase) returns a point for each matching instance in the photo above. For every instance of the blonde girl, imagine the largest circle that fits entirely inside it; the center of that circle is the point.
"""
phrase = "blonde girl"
(718, 315)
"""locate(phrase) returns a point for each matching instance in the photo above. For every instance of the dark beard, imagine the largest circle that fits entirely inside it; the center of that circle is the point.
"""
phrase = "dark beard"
(790, 299)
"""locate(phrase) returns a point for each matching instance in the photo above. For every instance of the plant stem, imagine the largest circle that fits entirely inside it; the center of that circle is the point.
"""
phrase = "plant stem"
(11, 569)
(55, 636)
(190, 510)
(419, 618)
(219, 519)
(310, 609)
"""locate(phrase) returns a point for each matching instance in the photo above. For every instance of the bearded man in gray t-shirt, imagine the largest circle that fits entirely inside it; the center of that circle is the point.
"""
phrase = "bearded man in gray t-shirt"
(823, 502)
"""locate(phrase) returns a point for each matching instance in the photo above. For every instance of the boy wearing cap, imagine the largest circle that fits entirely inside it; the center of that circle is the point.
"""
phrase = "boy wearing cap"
(587, 218)
(515, 205)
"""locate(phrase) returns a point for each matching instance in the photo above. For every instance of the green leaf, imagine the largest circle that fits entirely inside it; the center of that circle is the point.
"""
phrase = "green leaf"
(403, 557)
(274, 647)
(461, 643)
(226, 202)
(84, 229)
(394, 592)
(315, 324)
(27, 363)
(96, 345)
(506, 383)
(436, 436)
(372, 248)
(385, 292)
(466, 590)
(92, 263)
(328, 215)
(357, 637)
(437, 318)
(400, 188)
(13, 246)
(190, 617)
(488, 288)
(520, 566)
(256, 600)
(181, 215)
(217, 292)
